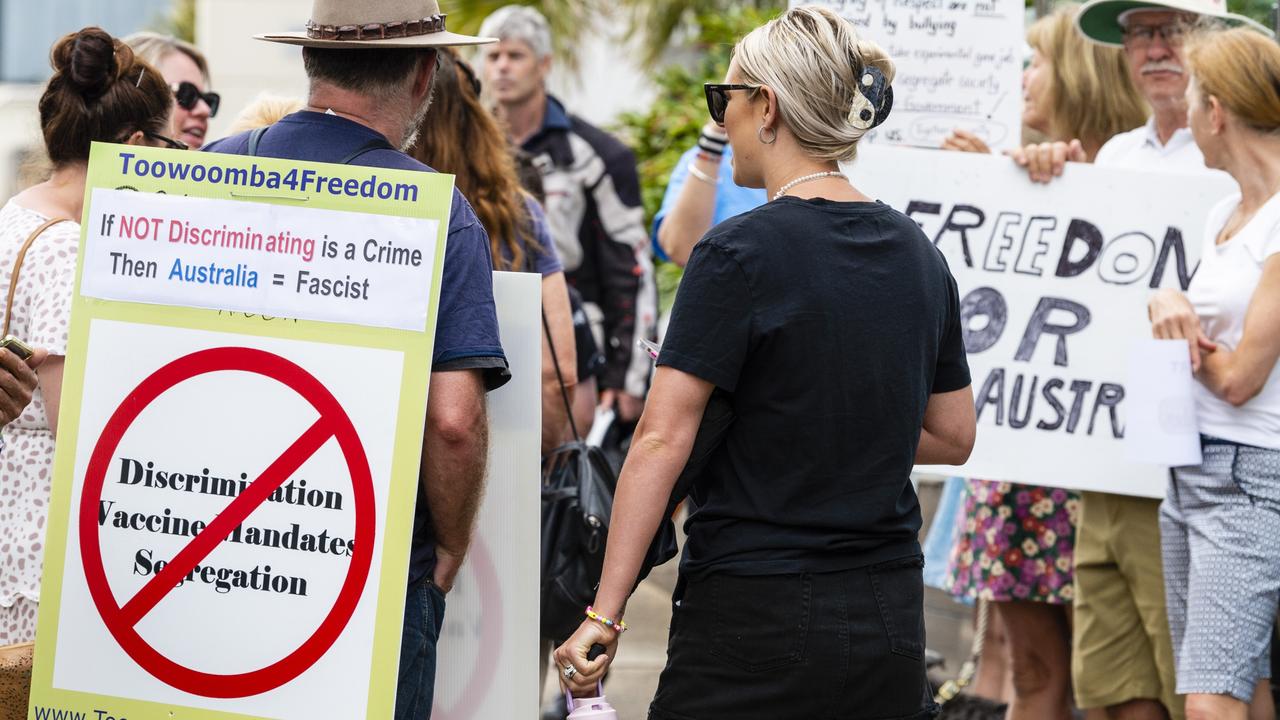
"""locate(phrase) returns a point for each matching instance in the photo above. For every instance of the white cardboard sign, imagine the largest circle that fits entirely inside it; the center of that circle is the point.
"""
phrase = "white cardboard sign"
(1054, 281)
(959, 65)
(489, 644)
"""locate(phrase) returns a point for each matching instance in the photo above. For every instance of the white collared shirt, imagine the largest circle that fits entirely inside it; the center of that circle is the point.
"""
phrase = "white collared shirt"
(1140, 149)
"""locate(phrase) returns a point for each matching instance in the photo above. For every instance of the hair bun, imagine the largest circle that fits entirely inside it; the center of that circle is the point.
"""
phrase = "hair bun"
(88, 62)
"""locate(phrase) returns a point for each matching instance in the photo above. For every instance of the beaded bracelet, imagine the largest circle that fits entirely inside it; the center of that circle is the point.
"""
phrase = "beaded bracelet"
(618, 625)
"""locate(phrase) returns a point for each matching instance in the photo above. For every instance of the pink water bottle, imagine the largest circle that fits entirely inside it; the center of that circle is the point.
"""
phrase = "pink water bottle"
(594, 708)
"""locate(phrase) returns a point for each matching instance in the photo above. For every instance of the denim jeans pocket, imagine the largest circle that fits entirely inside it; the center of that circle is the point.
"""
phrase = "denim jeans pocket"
(760, 622)
(433, 604)
(899, 589)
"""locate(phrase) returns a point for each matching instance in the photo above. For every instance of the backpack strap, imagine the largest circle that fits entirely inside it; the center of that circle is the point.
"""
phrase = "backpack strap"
(255, 137)
(378, 143)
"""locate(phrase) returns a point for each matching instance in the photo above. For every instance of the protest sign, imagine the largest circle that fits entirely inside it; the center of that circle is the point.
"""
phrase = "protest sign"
(489, 645)
(959, 65)
(1054, 281)
(1161, 427)
(239, 438)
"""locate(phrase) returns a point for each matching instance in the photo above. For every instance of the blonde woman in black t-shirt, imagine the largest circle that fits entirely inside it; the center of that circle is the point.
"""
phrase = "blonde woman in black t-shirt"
(832, 325)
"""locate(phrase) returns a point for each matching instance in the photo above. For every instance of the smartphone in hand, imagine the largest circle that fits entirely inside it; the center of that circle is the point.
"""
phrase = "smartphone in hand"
(17, 347)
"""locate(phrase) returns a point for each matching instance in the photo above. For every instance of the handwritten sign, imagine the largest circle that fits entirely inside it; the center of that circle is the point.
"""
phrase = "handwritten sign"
(959, 65)
(1054, 282)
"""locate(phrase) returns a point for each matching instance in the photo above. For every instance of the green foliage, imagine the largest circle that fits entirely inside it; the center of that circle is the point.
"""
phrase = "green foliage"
(180, 22)
(1259, 10)
(656, 22)
(660, 135)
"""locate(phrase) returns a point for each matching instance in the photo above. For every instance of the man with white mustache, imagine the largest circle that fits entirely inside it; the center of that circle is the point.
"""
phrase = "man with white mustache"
(1122, 657)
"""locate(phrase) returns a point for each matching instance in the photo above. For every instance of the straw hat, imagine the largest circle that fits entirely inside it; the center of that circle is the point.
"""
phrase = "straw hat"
(356, 24)
(1099, 20)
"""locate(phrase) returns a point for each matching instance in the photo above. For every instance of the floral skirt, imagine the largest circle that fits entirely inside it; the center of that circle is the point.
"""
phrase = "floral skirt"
(1016, 542)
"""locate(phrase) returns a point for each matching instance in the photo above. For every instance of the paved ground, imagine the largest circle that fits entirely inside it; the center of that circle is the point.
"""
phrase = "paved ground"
(634, 676)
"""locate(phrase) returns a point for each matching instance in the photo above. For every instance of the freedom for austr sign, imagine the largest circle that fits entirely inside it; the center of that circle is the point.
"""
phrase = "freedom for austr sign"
(239, 439)
(1054, 282)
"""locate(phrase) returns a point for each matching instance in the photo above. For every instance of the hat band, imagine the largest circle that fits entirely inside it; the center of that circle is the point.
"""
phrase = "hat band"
(377, 31)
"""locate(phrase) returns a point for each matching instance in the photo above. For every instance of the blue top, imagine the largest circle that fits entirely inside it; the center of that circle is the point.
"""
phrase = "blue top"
(543, 259)
(466, 320)
(731, 199)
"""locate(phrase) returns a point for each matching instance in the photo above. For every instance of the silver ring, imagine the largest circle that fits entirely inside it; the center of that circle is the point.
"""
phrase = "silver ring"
(569, 671)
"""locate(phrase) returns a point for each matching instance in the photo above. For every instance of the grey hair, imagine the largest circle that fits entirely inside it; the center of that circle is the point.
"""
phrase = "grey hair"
(520, 22)
(813, 60)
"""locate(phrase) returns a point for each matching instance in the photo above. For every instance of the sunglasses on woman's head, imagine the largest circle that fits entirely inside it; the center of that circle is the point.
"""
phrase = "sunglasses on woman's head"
(188, 95)
(718, 98)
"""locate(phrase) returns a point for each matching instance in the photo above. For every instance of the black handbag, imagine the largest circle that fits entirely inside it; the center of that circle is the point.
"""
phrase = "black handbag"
(577, 499)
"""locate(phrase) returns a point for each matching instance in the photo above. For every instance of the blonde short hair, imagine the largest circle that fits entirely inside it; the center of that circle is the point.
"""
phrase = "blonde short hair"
(263, 111)
(153, 48)
(1091, 94)
(813, 60)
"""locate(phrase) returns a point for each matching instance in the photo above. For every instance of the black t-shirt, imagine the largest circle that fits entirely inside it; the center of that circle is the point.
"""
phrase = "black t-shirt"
(829, 324)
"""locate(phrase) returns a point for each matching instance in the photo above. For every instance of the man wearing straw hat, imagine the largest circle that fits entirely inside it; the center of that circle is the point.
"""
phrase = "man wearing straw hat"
(371, 65)
(1122, 658)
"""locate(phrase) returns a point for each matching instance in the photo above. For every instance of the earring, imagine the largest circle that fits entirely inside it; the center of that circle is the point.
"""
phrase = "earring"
(772, 138)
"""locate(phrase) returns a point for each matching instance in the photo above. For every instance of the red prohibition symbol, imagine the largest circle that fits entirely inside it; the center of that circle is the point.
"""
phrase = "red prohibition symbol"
(121, 619)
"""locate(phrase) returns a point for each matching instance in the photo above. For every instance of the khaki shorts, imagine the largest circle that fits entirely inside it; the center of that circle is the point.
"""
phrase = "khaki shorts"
(1121, 648)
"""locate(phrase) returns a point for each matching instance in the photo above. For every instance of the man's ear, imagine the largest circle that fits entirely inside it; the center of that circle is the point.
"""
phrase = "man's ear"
(426, 74)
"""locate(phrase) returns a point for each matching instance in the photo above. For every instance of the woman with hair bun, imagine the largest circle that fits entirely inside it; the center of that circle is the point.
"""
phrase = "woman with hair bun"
(831, 324)
(98, 92)
(1219, 519)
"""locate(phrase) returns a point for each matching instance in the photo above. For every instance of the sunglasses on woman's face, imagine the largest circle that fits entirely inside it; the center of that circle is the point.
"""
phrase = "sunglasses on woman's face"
(718, 98)
(188, 96)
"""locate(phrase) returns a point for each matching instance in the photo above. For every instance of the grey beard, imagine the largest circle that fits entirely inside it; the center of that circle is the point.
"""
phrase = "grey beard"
(411, 132)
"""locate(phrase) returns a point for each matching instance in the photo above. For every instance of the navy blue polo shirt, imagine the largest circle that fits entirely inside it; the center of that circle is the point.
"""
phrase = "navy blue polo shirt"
(466, 321)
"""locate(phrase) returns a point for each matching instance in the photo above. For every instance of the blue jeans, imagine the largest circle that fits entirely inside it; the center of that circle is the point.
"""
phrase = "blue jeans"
(423, 616)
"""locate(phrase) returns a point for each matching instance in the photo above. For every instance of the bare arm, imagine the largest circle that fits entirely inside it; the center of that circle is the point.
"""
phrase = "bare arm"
(691, 215)
(1237, 376)
(659, 450)
(950, 427)
(555, 417)
(50, 373)
(455, 449)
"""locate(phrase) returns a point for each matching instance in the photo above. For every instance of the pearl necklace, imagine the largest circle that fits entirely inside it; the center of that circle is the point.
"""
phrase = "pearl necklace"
(804, 179)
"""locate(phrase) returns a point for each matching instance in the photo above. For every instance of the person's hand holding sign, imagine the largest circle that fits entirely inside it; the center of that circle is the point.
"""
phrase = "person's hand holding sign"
(965, 141)
(1173, 318)
(1045, 161)
(18, 382)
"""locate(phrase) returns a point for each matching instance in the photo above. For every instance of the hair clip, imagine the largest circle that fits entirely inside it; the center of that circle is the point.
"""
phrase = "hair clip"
(873, 98)
(138, 82)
